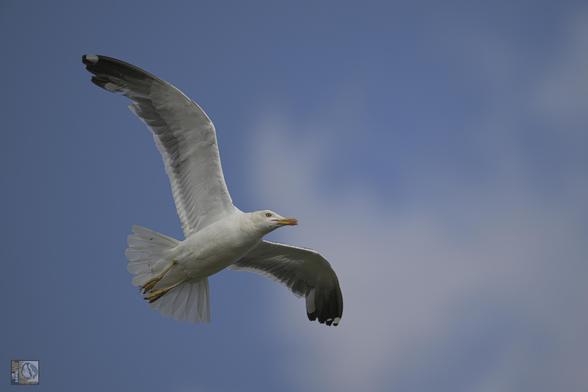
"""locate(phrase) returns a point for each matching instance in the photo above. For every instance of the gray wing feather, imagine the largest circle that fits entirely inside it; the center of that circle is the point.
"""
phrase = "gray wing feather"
(304, 271)
(183, 133)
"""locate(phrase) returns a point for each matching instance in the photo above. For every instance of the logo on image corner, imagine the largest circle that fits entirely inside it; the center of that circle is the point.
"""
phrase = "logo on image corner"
(24, 372)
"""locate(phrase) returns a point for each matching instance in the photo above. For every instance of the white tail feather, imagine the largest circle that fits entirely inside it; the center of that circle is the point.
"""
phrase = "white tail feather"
(149, 253)
(189, 301)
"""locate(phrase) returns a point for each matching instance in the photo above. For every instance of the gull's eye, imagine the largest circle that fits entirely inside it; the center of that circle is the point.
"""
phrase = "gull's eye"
(268, 214)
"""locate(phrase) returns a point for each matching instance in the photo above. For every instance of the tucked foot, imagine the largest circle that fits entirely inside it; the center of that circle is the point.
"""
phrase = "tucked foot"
(153, 296)
(152, 282)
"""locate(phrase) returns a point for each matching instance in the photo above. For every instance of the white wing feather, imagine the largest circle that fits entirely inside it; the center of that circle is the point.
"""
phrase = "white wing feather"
(183, 133)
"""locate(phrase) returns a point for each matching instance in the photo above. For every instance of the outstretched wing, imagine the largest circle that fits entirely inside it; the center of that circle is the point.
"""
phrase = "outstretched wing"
(183, 133)
(304, 271)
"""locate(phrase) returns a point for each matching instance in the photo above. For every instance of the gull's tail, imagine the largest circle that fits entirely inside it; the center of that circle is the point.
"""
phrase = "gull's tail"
(150, 261)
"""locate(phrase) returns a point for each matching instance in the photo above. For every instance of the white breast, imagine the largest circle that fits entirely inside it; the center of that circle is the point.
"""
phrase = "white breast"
(217, 246)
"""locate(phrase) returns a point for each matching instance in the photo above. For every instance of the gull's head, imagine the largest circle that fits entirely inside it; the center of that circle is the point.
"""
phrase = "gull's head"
(267, 220)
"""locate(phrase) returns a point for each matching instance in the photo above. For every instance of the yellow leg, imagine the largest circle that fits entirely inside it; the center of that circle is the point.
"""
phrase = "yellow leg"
(155, 295)
(152, 282)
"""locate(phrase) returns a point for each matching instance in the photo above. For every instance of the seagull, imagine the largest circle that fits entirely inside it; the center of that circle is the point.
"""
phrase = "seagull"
(173, 275)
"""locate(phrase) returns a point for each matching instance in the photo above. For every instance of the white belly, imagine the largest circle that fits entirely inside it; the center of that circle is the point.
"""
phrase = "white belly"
(212, 249)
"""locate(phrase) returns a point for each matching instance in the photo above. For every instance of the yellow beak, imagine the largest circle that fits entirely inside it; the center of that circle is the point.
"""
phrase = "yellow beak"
(288, 221)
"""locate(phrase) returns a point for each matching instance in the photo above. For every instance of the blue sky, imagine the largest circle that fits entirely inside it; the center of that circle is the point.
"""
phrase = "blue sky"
(435, 153)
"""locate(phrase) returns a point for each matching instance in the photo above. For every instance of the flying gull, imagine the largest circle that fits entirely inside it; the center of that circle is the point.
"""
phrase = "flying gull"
(173, 275)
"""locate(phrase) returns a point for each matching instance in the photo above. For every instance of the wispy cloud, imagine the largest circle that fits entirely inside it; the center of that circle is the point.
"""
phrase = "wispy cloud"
(477, 285)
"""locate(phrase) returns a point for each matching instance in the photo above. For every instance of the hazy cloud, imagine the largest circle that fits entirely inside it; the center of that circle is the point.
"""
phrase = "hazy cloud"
(477, 285)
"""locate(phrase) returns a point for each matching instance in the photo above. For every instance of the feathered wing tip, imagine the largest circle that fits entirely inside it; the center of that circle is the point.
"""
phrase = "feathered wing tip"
(118, 76)
(189, 301)
(325, 304)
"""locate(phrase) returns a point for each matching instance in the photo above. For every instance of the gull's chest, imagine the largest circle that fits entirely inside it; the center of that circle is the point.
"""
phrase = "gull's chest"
(214, 248)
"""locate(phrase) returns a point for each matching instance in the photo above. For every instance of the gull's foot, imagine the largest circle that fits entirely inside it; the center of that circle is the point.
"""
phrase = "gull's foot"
(153, 296)
(152, 282)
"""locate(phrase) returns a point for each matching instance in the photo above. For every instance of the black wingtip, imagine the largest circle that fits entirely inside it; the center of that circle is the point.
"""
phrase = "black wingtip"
(325, 305)
(109, 68)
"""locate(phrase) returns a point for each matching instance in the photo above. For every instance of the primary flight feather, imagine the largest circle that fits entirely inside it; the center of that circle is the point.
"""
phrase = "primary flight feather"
(172, 274)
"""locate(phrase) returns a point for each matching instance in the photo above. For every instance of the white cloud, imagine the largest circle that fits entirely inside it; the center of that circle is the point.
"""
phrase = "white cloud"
(481, 291)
